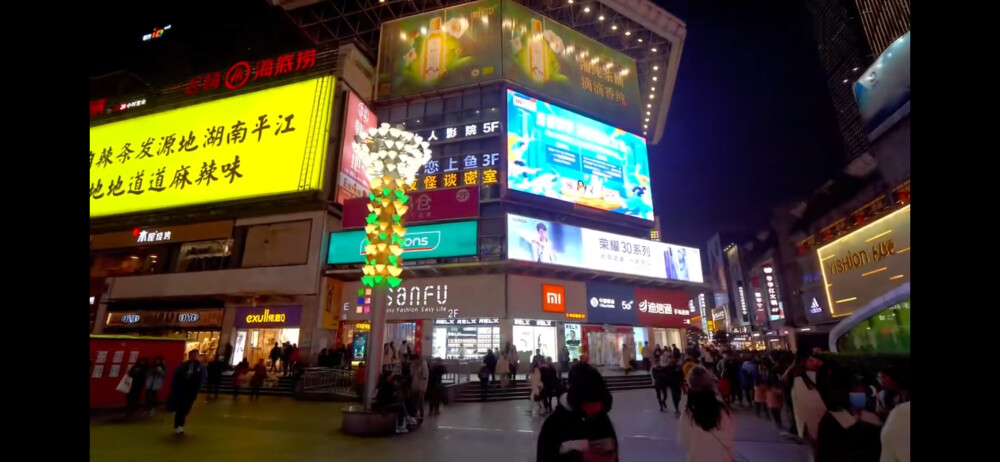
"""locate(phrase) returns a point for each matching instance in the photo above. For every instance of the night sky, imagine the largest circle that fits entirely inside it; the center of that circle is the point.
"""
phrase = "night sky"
(750, 126)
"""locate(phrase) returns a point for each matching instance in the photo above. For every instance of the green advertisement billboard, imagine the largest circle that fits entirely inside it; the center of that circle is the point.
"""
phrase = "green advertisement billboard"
(440, 49)
(493, 39)
(426, 241)
(558, 62)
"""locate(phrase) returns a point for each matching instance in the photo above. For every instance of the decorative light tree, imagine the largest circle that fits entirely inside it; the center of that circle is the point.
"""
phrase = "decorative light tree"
(391, 157)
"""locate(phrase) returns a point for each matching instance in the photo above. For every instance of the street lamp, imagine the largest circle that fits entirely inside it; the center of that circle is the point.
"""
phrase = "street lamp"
(391, 157)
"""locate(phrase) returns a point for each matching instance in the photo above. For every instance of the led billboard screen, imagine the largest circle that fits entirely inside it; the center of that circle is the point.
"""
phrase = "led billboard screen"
(218, 151)
(541, 241)
(426, 241)
(439, 49)
(559, 62)
(883, 91)
(352, 180)
(556, 153)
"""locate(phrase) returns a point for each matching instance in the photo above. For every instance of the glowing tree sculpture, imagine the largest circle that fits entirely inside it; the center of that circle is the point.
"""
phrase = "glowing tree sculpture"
(392, 157)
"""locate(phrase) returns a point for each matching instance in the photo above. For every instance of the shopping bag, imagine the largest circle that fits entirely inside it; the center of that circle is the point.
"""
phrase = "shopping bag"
(125, 385)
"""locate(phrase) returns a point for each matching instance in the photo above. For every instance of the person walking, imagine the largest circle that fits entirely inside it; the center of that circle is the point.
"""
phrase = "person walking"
(503, 371)
(847, 431)
(514, 358)
(435, 386)
(257, 380)
(240, 375)
(275, 356)
(484, 381)
(659, 374)
(215, 369)
(624, 361)
(563, 361)
(705, 429)
(647, 357)
(188, 379)
(137, 374)
(154, 382)
(286, 358)
(580, 428)
(420, 375)
(491, 363)
(674, 377)
(807, 400)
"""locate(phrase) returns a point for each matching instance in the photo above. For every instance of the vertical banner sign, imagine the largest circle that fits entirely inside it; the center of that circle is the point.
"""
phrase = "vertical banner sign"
(331, 312)
(702, 309)
(440, 49)
(352, 181)
(771, 284)
(561, 63)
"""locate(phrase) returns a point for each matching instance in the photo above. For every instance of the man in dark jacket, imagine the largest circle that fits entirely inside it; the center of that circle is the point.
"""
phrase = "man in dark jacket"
(275, 356)
(215, 370)
(673, 377)
(188, 379)
(491, 363)
(580, 428)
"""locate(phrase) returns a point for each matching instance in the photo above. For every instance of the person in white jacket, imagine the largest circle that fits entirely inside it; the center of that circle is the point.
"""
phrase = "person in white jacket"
(896, 435)
(807, 403)
(705, 429)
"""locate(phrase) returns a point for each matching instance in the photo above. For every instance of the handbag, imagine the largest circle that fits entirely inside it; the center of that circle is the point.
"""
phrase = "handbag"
(125, 385)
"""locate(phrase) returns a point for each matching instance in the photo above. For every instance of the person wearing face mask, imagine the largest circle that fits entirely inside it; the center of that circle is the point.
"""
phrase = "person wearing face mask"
(580, 428)
(847, 432)
(807, 402)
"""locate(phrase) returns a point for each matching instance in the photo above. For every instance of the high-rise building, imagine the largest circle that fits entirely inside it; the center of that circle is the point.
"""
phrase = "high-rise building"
(849, 35)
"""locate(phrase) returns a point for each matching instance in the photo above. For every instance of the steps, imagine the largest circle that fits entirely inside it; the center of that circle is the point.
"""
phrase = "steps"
(470, 393)
(285, 387)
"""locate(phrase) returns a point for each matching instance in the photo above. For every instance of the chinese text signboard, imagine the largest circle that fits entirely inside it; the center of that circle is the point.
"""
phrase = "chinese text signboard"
(268, 317)
(212, 152)
(610, 304)
(425, 206)
(481, 296)
(443, 48)
(663, 308)
(771, 286)
(559, 62)
(243, 72)
(459, 171)
(353, 180)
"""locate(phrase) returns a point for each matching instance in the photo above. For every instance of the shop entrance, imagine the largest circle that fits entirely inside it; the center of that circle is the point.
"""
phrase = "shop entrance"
(605, 348)
(254, 344)
(666, 338)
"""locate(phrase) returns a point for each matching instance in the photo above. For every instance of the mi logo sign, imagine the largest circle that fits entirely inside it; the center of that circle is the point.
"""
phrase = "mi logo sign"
(553, 298)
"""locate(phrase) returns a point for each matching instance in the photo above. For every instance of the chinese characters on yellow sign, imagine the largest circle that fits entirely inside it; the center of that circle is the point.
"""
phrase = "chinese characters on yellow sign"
(258, 144)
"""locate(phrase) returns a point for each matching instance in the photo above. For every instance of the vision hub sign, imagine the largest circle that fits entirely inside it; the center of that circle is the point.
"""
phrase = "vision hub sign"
(428, 241)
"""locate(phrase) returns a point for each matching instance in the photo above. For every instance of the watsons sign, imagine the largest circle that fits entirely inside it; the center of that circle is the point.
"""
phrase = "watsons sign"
(425, 241)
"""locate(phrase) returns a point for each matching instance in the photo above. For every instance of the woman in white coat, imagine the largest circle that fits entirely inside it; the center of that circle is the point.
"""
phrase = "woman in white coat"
(705, 429)
(503, 371)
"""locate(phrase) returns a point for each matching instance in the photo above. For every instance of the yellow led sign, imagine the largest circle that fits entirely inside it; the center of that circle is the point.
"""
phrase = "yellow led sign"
(254, 145)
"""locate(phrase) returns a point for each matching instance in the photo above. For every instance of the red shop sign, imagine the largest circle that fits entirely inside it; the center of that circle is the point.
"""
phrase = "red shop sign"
(663, 308)
(425, 206)
(241, 73)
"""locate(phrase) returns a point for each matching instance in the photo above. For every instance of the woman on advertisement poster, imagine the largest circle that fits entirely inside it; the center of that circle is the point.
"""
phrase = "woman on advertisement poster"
(541, 246)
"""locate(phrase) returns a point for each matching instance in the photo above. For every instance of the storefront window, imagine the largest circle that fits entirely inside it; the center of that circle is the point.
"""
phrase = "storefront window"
(255, 344)
(606, 347)
(204, 255)
(887, 331)
(573, 340)
(130, 262)
(468, 340)
(531, 335)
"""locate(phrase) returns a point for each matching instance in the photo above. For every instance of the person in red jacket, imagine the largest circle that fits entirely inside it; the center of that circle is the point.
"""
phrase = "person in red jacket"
(257, 381)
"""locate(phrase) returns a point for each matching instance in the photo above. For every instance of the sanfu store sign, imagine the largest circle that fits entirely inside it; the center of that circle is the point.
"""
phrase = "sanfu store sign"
(432, 298)
(212, 152)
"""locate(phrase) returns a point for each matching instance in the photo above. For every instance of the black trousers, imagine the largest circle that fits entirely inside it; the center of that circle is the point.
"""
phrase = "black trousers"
(151, 399)
(661, 397)
(213, 388)
(675, 395)
(181, 410)
(483, 386)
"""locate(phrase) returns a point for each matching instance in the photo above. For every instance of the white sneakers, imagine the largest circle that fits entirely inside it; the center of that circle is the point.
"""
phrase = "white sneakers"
(411, 421)
(401, 430)
(180, 430)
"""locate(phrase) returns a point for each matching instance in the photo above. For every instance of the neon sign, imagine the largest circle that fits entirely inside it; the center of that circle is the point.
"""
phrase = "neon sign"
(243, 72)
(157, 33)
(267, 316)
